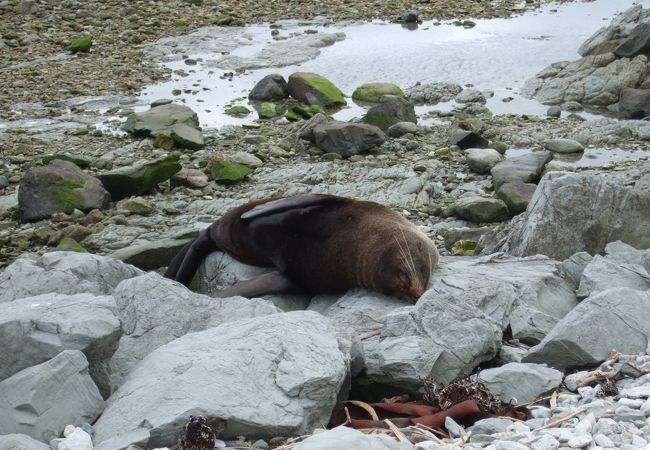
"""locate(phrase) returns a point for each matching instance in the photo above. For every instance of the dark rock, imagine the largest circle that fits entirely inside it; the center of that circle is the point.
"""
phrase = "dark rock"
(347, 139)
(481, 209)
(271, 87)
(554, 111)
(409, 17)
(526, 168)
(136, 180)
(4, 182)
(313, 89)
(637, 43)
(467, 139)
(516, 195)
(634, 103)
(390, 111)
(59, 187)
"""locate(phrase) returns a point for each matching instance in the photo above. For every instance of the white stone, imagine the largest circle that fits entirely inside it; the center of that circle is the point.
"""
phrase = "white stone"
(77, 440)
(603, 441)
(580, 441)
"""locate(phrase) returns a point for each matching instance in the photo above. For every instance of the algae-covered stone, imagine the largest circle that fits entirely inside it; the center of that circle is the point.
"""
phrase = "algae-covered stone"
(228, 172)
(80, 162)
(59, 187)
(70, 245)
(306, 112)
(391, 111)
(81, 44)
(267, 110)
(135, 205)
(237, 111)
(516, 195)
(374, 92)
(314, 89)
(464, 248)
(135, 180)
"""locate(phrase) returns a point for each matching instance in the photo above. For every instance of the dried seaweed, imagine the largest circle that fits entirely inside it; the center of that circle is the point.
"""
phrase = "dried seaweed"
(459, 390)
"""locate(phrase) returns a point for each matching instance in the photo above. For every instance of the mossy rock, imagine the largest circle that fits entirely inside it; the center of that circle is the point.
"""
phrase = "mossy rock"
(375, 92)
(185, 136)
(136, 180)
(65, 195)
(267, 110)
(306, 112)
(227, 172)
(228, 20)
(500, 146)
(237, 111)
(391, 111)
(81, 44)
(79, 162)
(314, 89)
(464, 248)
(70, 245)
(292, 116)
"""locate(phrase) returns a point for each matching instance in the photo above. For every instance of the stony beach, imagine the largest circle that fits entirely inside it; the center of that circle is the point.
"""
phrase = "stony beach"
(542, 294)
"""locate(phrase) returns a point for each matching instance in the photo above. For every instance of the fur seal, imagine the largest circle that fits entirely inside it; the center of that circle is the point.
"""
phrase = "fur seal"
(318, 244)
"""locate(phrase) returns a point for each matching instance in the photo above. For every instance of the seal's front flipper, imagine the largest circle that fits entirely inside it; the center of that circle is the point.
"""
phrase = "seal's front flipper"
(185, 264)
(268, 283)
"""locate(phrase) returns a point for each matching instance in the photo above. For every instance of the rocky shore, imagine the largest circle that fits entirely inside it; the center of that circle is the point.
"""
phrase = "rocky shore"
(541, 297)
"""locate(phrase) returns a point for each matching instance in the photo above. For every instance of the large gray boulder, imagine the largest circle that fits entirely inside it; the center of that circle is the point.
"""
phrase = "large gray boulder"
(520, 383)
(620, 27)
(62, 273)
(572, 212)
(21, 442)
(344, 438)
(634, 103)
(155, 310)
(278, 375)
(347, 139)
(637, 43)
(41, 400)
(615, 319)
(60, 186)
(526, 168)
(604, 273)
(529, 294)
(36, 329)
(441, 337)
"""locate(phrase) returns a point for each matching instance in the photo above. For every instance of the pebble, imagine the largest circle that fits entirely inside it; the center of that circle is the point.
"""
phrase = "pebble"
(580, 441)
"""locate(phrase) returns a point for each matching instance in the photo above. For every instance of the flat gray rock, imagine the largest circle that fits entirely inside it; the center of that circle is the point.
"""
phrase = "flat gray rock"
(21, 442)
(520, 383)
(41, 400)
(526, 168)
(604, 273)
(160, 119)
(62, 273)
(564, 146)
(151, 255)
(155, 310)
(36, 329)
(615, 319)
(571, 212)
(278, 375)
(344, 438)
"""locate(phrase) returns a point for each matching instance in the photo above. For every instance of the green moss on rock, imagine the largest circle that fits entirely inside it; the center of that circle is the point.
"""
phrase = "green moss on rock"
(65, 196)
(228, 172)
(237, 111)
(81, 44)
(79, 162)
(70, 245)
(464, 248)
(374, 92)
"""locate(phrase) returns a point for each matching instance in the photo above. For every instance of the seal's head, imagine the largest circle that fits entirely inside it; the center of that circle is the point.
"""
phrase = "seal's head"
(406, 265)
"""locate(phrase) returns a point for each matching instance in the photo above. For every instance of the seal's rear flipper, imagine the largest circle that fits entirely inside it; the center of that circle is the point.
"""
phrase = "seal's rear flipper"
(267, 283)
(185, 264)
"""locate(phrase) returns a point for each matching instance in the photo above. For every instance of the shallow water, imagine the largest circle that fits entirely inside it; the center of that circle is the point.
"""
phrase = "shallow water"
(497, 55)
